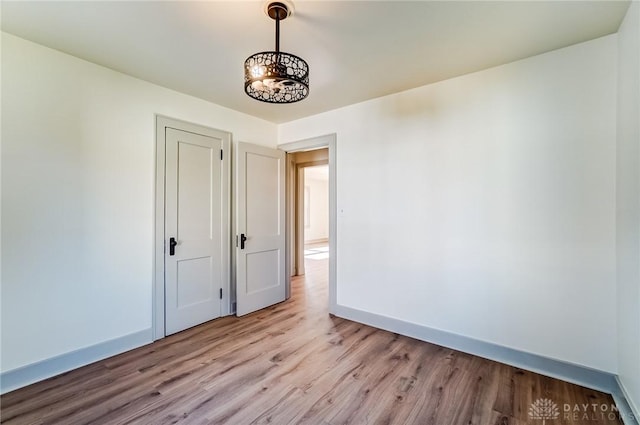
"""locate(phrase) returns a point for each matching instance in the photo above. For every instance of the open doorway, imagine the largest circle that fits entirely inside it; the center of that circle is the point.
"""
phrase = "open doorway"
(315, 227)
(316, 212)
(308, 153)
(309, 201)
(309, 227)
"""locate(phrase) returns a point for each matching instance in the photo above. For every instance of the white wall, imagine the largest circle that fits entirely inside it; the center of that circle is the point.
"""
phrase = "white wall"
(484, 205)
(318, 208)
(628, 205)
(78, 160)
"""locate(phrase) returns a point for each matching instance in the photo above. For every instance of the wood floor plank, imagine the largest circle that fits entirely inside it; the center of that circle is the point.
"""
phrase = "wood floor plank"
(293, 363)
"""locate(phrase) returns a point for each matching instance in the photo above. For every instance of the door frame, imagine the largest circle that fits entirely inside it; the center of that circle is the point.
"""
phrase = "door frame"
(158, 284)
(325, 141)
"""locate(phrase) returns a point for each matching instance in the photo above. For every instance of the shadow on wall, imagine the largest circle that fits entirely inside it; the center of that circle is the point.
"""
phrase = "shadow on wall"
(430, 102)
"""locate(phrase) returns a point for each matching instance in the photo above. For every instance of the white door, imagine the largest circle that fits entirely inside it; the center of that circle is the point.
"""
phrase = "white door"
(260, 259)
(194, 235)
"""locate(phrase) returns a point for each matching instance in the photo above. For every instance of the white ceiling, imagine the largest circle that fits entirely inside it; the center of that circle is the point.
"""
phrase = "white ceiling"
(356, 50)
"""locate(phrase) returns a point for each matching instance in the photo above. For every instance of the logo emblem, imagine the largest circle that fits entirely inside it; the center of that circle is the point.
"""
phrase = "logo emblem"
(544, 409)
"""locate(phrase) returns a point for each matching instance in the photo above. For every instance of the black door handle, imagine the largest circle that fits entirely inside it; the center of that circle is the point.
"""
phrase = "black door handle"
(172, 246)
(243, 239)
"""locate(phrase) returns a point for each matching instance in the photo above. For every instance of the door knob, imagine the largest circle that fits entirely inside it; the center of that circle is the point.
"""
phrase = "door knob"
(243, 239)
(172, 246)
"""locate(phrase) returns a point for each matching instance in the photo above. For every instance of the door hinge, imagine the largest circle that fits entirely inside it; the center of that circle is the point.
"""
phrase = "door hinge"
(220, 293)
(221, 154)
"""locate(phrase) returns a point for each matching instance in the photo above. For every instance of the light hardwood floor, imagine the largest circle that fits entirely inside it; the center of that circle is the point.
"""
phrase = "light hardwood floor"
(294, 364)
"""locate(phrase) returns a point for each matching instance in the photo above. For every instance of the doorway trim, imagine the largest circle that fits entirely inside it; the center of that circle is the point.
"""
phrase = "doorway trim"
(158, 283)
(326, 141)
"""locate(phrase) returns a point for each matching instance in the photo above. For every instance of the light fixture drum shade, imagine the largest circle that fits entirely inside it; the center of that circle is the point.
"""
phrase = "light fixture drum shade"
(276, 77)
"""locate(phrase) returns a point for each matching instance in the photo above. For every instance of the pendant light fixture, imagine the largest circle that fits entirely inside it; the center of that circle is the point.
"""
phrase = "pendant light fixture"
(275, 76)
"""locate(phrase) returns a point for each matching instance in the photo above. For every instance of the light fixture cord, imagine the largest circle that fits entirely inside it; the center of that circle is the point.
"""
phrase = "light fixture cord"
(278, 32)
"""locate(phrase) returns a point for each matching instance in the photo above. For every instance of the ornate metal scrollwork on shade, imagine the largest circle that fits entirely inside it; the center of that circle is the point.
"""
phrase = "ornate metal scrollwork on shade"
(275, 76)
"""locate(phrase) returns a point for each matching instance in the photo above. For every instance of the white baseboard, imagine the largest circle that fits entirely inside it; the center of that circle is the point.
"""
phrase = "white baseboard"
(629, 411)
(29, 374)
(576, 374)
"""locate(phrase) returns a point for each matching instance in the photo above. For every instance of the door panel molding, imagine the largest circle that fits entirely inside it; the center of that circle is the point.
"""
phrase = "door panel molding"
(158, 285)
